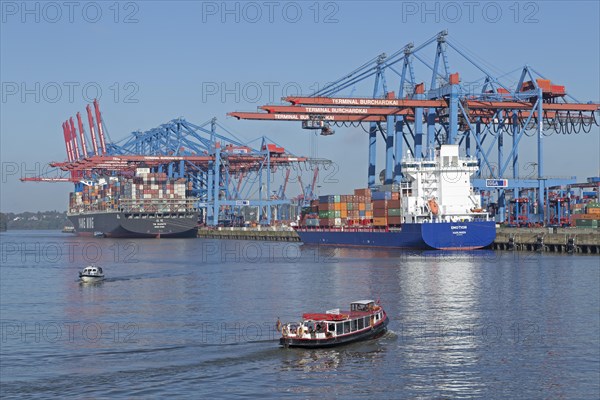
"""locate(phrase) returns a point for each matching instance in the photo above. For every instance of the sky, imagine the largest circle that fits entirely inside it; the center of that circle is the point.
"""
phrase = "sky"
(151, 61)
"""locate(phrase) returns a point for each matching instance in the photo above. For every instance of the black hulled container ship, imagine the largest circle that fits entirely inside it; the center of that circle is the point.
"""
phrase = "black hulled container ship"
(147, 205)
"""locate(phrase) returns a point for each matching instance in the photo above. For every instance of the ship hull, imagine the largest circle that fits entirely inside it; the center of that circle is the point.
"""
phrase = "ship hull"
(125, 225)
(439, 236)
(373, 333)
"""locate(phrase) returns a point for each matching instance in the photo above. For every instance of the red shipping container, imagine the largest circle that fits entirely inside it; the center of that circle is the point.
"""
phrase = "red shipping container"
(326, 206)
(394, 203)
(380, 204)
(394, 220)
(380, 212)
(362, 192)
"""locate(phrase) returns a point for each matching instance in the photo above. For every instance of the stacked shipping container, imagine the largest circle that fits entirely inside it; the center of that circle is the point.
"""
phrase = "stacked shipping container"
(99, 197)
(387, 209)
(587, 215)
(362, 208)
(144, 192)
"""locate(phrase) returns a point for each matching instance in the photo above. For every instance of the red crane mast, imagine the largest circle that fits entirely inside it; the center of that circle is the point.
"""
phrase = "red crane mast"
(100, 129)
(92, 129)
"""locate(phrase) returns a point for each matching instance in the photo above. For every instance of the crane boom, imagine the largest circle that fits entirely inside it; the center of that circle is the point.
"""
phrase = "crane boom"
(82, 136)
(92, 129)
(100, 128)
(73, 133)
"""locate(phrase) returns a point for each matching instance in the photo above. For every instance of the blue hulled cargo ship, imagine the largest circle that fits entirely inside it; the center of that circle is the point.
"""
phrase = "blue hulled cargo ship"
(434, 207)
(441, 236)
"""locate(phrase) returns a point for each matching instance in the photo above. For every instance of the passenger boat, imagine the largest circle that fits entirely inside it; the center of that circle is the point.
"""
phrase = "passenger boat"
(91, 274)
(365, 320)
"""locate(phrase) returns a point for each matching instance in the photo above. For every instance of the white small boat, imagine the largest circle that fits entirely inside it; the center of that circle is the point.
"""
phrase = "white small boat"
(91, 274)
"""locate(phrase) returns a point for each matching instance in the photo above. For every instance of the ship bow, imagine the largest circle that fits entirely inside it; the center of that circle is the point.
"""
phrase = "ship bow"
(459, 235)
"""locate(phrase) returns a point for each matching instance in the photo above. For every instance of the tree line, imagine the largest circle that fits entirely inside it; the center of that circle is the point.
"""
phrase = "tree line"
(46, 220)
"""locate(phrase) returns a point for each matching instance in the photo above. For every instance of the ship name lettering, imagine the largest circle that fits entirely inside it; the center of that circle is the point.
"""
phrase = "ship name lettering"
(86, 223)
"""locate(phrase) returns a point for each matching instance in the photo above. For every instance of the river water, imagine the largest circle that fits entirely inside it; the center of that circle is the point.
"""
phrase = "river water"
(196, 318)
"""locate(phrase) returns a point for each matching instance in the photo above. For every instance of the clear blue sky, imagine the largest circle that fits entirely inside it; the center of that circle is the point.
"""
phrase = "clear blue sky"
(163, 54)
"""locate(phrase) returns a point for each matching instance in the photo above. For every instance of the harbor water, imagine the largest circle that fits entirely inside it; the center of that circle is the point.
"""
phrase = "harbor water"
(196, 318)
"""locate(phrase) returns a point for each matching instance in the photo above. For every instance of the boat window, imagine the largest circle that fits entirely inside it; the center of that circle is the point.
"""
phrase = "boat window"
(331, 327)
(339, 328)
(347, 327)
(354, 324)
(361, 323)
(367, 322)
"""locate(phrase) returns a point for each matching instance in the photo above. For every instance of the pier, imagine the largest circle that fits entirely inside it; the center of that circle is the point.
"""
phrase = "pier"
(267, 234)
(558, 240)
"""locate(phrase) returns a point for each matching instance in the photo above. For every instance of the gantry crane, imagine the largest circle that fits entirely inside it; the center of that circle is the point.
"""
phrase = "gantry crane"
(224, 173)
(415, 119)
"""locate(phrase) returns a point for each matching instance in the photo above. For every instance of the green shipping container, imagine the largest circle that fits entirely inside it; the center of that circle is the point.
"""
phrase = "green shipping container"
(586, 223)
(312, 222)
(394, 212)
(327, 214)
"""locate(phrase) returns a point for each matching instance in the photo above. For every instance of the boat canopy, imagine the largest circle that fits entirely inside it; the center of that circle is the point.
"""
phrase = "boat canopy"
(365, 302)
(362, 305)
(324, 317)
(92, 269)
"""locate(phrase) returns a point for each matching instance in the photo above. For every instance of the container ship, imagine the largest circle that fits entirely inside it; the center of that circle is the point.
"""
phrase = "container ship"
(434, 207)
(147, 205)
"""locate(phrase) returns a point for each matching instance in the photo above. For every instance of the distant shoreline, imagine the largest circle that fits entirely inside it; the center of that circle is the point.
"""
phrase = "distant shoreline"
(39, 220)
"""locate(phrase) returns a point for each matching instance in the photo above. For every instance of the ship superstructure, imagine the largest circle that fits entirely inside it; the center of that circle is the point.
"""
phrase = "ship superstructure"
(439, 189)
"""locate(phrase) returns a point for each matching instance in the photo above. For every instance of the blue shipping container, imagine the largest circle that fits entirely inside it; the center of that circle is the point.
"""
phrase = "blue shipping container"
(381, 195)
(327, 199)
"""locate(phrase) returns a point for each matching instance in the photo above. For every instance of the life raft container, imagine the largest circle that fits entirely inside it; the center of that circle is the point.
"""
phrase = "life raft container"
(433, 206)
